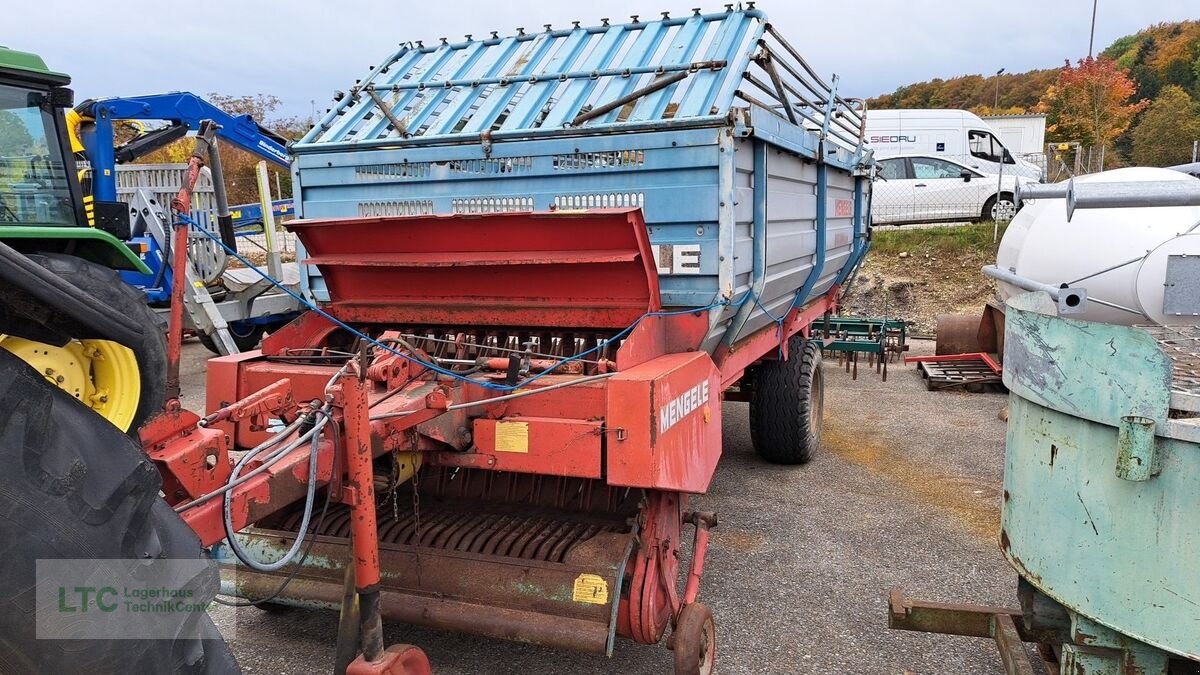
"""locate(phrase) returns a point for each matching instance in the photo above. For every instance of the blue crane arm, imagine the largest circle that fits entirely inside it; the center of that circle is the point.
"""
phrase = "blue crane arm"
(181, 109)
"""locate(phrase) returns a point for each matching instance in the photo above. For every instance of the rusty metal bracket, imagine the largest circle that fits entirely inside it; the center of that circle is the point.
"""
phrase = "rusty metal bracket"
(275, 399)
(1004, 625)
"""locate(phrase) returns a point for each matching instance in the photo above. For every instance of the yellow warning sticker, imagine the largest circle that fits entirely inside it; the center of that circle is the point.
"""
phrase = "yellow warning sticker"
(512, 437)
(591, 589)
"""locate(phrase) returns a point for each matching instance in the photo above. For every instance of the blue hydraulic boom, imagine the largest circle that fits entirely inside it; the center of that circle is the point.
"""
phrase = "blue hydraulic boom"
(184, 111)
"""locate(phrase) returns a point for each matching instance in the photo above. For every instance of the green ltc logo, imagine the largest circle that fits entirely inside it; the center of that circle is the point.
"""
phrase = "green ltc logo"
(86, 596)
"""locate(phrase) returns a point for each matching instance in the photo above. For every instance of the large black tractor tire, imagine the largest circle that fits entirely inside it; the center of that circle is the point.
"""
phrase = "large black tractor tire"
(75, 487)
(106, 285)
(787, 405)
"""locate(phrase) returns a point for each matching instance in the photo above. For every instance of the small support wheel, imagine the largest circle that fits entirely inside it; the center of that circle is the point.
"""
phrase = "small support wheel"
(695, 640)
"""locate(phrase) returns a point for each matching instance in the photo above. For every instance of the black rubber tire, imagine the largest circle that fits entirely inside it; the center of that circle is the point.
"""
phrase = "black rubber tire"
(244, 342)
(695, 641)
(986, 213)
(106, 285)
(75, 487)
(787, 404)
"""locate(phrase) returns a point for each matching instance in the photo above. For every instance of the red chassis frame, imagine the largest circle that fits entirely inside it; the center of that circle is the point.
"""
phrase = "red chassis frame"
(654, 423)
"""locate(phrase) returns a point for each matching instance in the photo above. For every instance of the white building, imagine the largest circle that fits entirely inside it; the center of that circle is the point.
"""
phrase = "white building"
(1021, 134)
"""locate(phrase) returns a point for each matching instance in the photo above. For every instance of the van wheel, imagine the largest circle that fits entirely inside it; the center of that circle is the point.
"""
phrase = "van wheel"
(1002, 210)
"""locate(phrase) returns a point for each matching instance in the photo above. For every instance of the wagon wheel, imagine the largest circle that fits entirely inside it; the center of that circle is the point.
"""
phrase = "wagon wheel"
(695, 640)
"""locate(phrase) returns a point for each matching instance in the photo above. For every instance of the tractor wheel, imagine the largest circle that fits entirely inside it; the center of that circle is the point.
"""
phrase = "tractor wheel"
(787, 405)
(125, 386)
(695, 640)
(77, 488)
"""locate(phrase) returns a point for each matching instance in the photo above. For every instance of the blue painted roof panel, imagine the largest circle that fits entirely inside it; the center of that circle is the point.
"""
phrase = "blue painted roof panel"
(690, 70)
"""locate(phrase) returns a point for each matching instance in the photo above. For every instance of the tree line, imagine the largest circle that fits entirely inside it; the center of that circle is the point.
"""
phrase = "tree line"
(1139, 99)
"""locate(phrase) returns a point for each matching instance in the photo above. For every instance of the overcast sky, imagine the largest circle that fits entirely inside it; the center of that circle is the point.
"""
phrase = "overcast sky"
(303, 50)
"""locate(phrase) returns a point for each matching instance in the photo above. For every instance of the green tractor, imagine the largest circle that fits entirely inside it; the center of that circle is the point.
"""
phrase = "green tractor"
(45, 215)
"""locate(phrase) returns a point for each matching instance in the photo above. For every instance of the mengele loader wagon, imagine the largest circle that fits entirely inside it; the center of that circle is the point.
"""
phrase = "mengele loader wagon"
(535, 266)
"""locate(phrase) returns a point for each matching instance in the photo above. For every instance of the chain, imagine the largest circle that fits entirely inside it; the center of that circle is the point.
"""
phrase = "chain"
(416, 504)
(394, 485)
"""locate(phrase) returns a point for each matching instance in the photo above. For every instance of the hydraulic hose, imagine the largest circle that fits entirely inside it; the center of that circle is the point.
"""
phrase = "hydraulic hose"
(309, 500)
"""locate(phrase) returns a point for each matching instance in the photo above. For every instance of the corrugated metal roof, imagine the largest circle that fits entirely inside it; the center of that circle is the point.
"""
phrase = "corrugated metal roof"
(550, 79)
(676, 69)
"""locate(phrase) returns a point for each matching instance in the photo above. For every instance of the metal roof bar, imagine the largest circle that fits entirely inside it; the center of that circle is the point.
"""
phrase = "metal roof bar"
(561, 77)
(629, 98)
(613, 77)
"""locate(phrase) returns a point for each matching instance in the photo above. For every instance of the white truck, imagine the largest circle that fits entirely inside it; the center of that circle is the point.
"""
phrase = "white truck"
(955, 135)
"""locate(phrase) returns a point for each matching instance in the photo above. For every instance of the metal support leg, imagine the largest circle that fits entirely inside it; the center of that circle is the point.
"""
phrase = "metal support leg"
(1098, 650)
(359, 492)
(702, 520)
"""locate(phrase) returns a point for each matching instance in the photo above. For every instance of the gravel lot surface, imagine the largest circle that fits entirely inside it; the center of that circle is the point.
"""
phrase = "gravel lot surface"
(905, 493)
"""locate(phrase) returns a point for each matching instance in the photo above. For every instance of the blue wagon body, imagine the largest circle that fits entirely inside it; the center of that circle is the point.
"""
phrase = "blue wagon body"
(749, 168)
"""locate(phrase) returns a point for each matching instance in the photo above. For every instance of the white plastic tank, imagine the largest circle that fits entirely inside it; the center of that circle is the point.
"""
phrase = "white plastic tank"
(1041, 245)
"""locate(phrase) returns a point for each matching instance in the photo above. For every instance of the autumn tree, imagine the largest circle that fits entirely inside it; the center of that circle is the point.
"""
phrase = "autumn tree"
(1089, 103)
(1165, 133)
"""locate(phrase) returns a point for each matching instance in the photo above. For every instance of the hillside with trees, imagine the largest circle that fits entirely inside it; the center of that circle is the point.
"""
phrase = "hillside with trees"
(1139, 99)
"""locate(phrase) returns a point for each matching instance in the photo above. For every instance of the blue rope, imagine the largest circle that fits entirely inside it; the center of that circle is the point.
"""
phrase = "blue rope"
(438, 369)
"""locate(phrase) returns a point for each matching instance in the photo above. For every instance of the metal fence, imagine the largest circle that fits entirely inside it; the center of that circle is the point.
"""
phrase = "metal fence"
(1064, 160)
(913, 190)
(163, 181)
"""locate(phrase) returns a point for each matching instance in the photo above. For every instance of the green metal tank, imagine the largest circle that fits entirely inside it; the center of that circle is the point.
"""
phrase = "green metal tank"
(1101, 501)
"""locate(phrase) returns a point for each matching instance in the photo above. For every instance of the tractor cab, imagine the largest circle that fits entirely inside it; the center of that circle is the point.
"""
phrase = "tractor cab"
(35, 169)
(42, 205)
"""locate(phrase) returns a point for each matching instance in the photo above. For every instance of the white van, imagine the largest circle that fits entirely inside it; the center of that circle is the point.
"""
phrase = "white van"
(957, 135)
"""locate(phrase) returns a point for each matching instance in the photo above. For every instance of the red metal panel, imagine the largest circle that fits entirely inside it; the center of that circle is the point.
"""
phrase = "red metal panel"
(310, 330)
(658, 335)
(221, 388)
(976, 356)
(586, 269)
(551, 446)
(584, 401)
(664, 423)
(234, 377)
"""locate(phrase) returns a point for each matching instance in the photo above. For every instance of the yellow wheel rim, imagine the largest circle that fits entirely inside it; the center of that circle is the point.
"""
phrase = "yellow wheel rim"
(102, 374)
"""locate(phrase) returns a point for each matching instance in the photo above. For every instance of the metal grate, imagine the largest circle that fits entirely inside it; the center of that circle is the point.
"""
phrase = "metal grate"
(396, 207)
(613, 159)
(393, 171)
(1182, 345)
(491, 204)
(612, 200)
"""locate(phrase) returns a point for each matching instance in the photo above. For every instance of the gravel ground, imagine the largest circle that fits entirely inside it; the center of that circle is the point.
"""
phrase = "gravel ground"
(904, 494)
